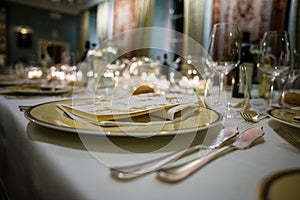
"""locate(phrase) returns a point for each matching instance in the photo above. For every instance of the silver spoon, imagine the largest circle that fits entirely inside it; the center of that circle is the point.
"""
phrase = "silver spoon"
(133, 171)
(177, 173)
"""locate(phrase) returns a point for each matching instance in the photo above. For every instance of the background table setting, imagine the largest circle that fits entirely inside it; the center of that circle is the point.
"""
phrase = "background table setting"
(30, 82)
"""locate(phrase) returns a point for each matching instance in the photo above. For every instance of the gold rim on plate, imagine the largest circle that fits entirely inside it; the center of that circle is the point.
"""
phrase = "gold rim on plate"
(285, 116)
(280, 185)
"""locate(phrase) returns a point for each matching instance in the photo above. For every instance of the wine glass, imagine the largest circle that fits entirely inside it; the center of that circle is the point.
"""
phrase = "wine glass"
(275, 57)
(223, 56)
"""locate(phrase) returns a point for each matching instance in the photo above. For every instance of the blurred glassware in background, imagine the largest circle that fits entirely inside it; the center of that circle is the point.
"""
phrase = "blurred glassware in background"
(103, 69)
(141, 71)
(34, 73)
(62, 76)
(119, 68)
(97, 60)
(187, 78)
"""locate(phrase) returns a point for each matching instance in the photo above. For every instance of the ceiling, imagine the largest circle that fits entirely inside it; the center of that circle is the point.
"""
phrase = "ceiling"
(72, 7)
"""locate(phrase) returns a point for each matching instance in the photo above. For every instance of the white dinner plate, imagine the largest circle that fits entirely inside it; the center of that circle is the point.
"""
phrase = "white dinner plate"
(49, 115)
(285, 116)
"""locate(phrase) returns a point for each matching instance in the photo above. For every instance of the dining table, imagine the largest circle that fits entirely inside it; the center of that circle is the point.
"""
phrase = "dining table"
(44, 162)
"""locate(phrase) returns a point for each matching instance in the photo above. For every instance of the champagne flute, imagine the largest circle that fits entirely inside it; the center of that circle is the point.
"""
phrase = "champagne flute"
(224, 55)
(275, 57)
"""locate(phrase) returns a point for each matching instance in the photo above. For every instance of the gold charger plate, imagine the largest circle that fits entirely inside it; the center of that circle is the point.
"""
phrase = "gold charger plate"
(48, 115)
(280, 185)
(285, 116)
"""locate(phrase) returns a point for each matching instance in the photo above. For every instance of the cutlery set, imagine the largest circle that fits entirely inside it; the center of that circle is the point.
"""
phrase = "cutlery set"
(179, 172)
(222, 144)
(133, 171)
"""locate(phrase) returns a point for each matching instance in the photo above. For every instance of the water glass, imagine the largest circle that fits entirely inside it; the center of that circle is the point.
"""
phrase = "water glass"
(233, 105)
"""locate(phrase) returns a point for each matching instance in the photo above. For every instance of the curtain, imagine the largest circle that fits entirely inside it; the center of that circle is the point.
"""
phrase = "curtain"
(103, 20)
(194, 13)
(253, 16)
(294, 26)
(280, 14)
(84, 31)
(144, 10)
(115, 18)
(296, 32)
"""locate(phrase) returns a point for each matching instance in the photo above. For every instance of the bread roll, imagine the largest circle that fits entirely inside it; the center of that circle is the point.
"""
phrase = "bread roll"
(292, 98)
(143, 89)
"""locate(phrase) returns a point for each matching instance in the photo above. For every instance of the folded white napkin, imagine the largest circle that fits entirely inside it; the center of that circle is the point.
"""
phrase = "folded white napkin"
(176, 111)
(138, 109)
(175, 114)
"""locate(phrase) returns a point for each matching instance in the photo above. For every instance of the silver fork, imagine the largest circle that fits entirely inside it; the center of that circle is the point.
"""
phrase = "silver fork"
(249, 117)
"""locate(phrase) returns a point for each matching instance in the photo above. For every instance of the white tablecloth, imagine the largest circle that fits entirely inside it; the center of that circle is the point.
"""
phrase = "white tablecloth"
(42, 163)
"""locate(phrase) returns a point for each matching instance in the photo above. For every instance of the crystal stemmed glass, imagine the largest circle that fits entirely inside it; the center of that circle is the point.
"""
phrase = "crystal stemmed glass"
(275, 57)
(223, 56)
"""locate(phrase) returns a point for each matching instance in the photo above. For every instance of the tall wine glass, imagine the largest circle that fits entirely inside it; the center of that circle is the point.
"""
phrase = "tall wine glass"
(275, 57)
(224, 55)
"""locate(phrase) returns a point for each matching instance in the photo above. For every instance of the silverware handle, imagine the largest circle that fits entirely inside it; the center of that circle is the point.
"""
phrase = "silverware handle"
(177, 173)
(157, 163)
